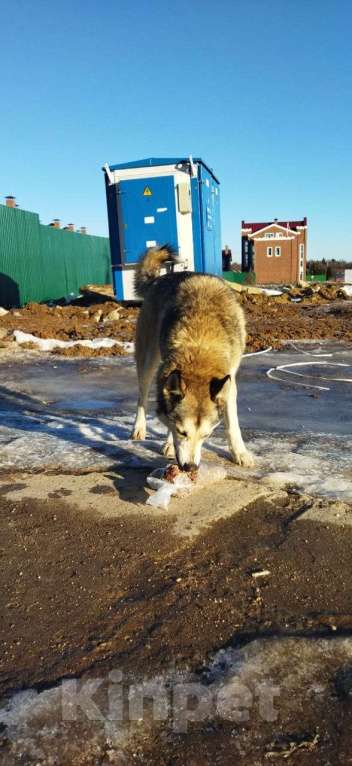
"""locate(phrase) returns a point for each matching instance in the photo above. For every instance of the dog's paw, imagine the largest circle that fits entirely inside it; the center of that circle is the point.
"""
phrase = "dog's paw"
(168, 449)
(138, 434)
(244, 458)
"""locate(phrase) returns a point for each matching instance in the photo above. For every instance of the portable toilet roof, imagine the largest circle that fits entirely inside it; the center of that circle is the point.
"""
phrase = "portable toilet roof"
(159, 161)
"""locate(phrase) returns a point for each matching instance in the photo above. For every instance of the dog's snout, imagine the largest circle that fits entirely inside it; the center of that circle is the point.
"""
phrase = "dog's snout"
(189, 467)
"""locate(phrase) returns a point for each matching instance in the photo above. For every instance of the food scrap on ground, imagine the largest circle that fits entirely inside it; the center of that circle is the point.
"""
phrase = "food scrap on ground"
(171, 481)
(173, 471)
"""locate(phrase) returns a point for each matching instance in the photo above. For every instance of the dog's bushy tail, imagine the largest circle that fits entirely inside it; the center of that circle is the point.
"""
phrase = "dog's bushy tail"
(148, 268)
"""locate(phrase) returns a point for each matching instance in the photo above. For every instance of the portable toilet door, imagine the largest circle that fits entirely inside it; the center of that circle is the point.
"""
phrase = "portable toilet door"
(156, 201)
(147, 215)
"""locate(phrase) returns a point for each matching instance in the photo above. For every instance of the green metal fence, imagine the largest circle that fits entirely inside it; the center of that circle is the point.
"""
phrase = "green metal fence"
(316, 277)
(40, 263)
(241, 277)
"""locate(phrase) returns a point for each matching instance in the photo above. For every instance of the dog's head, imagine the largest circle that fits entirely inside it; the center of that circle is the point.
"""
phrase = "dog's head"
(191, 410)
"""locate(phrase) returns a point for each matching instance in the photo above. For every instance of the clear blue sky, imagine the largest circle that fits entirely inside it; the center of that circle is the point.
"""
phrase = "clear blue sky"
(261, 89)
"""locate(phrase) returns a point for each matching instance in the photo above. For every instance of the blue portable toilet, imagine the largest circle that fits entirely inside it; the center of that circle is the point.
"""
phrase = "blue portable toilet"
(151, 202)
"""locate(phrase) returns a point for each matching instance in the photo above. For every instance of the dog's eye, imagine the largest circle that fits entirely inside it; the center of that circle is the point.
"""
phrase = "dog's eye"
(184, 434)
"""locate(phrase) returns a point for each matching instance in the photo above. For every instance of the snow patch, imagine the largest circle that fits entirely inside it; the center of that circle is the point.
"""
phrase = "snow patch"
(347, 290)
(270, 291)
(50, 344)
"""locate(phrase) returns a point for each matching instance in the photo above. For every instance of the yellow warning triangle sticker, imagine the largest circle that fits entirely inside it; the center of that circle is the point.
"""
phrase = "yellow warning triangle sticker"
(147, 192)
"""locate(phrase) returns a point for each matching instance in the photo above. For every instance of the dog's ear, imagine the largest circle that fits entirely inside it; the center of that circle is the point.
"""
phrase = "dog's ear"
(218, 388)
(174, 386)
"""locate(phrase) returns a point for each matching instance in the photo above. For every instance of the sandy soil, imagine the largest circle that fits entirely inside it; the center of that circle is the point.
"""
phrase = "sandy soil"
(270, 320)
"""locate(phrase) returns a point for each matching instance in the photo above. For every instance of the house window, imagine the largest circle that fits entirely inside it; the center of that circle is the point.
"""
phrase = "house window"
(269, 252)
(301, 253)
(277, 251)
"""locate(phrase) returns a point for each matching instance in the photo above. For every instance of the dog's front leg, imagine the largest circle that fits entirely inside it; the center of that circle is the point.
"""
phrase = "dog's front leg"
(238, 449)
(140, 425)
(169, 447)
(145, 376)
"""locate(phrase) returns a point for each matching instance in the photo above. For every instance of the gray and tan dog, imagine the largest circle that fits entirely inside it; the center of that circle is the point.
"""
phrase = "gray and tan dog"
(192, 330)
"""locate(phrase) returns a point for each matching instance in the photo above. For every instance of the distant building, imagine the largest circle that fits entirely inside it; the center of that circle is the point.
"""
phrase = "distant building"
(276, 250)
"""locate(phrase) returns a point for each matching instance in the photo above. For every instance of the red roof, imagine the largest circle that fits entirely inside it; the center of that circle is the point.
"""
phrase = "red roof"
(290, 224)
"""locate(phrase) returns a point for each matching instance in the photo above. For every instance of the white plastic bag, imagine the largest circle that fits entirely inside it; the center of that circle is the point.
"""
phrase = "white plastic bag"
(183, 485)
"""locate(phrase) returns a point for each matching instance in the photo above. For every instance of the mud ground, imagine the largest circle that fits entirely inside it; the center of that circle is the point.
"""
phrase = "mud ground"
(270, 320)
(94, 580)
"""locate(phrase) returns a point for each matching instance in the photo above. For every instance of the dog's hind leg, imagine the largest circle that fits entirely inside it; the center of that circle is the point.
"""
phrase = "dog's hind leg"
(169, 448)
(147, 364)
(240, 453)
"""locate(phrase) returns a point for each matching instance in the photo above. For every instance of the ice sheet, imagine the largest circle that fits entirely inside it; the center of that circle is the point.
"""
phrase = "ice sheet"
(311, 463)
(72, 415)
(314, 464)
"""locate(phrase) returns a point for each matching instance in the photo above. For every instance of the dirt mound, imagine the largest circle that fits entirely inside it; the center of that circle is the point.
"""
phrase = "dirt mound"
(321, 314)
(272, 320)
(71, 323)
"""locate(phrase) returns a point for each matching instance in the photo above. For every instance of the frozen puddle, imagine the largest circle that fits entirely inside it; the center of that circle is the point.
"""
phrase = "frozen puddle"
(312, 464)
(43, 441)
(38, 730)
(272, 691)
(72, 414)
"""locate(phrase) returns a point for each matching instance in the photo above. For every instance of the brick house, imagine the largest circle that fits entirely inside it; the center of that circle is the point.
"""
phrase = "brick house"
(276, 251)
